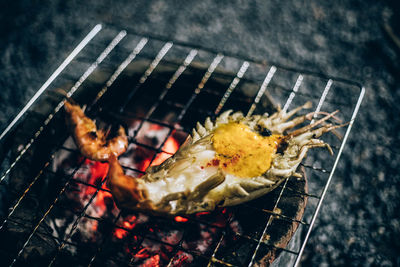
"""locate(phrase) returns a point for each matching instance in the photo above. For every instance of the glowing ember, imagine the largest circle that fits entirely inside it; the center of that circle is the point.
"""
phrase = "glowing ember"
(182, 259)
(142, 254)
(98, 172)
(152, 253)
(180, 219)
(95, 225)
(129, 223)
(170, 146)
(94, 173)
(120, 233)
(202, 213)
(152, 262)
(145, 163)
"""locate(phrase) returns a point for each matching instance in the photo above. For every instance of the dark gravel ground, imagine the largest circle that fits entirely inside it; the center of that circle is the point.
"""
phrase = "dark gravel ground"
(358, 224)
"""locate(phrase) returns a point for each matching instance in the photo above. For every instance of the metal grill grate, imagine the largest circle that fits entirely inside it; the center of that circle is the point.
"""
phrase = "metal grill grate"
(94, 71)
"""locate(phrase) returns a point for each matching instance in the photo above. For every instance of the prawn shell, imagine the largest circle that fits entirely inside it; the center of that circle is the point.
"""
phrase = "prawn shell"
(93, 143)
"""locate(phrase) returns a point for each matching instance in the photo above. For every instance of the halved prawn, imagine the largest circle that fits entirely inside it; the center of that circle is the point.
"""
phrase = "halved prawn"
(224, 162)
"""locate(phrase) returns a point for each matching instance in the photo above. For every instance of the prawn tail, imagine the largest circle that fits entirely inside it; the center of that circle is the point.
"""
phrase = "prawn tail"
(124, 188)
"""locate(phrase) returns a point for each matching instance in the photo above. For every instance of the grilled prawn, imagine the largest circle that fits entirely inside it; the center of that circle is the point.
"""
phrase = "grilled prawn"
(93, 143)
(223, 163)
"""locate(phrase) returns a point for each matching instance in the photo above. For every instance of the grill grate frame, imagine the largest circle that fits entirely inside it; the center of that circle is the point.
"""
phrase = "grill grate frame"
(111, 41)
